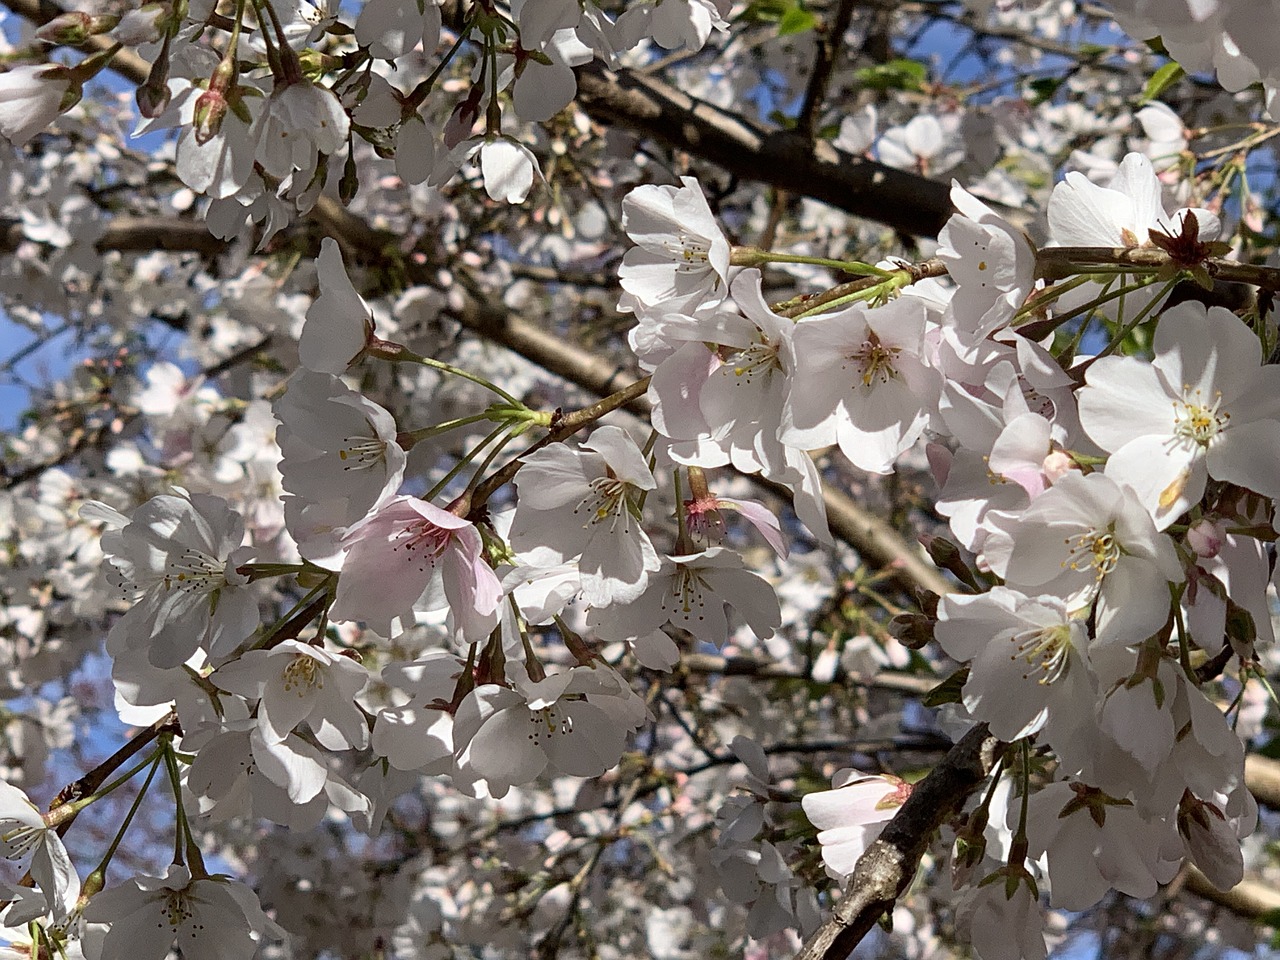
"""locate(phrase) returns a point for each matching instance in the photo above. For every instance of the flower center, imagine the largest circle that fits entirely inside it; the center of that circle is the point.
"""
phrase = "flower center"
(1045, 650)
(691, 254)
(547, 723)
(423, 542)
(685, 600)
(875, 361)
(303, 675)
(177, 908)
(362, 453)
(606, 502)
(1196, 420)
(1098, 549)
(20, 840)
(704, 521)
(761, 357)
(195, 572)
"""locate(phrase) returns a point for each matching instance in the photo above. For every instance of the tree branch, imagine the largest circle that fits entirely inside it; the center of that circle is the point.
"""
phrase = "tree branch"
(649, 107)
(883, 873)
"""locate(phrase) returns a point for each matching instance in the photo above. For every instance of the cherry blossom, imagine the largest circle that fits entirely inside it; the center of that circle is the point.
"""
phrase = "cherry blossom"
(299, 123)
(212, 917)
(682, 255)
(584, 504)
(1030, 665)
(1089, 538)
(31, 96)
(178, 558)
(692, 591)
(1204, 407)
(341, 461)
(339, 324)
(851, 815)
(867, 387)
(411, 555)
(24, 831)
(295, 682)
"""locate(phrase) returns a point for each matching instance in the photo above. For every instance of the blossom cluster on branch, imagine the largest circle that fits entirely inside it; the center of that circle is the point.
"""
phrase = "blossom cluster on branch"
(361, 575)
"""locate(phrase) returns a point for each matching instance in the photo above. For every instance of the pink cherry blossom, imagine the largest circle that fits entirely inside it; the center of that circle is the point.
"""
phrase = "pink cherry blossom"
(412, 555)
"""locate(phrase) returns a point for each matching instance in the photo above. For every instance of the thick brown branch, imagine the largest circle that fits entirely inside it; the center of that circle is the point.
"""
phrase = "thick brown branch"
(136, 235)
(783, 158)
(885, 870)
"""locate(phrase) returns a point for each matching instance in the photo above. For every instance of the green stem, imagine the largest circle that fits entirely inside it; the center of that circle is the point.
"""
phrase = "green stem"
(405, 355)
(184, 844)
(755, 257)
(420, 93)
(409, 437)
(279, 625)
(1133, 324)
(128, 819)
(466, 459)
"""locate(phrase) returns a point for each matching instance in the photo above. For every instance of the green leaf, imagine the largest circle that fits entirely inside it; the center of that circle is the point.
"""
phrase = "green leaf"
(1043, 89)
(894, 75)
(796, 20)
(948, 691)
(1162, 80)
(765, 11)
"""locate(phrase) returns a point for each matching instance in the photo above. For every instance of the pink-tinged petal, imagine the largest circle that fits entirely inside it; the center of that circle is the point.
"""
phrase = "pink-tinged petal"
(763, 519)
(1018, 453)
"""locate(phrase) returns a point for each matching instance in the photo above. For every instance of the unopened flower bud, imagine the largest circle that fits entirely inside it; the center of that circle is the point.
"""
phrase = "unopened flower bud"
(349, 185)
(153, 96)
(1206, 538)
(144, 25)
(211, 107)
(1056, 465)
(74, 27)
(152, 99)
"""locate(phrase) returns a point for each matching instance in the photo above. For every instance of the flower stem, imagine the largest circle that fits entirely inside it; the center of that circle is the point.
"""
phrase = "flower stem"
(755, 257)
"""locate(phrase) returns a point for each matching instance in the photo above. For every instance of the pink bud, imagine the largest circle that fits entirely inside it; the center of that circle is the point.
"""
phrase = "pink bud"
(66, 28)
(211, 107)
(1206, 538)
(1056, 465)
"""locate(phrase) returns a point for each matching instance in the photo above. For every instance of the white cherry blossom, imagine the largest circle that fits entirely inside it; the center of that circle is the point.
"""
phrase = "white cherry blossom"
(341, 461)
(339, 323)
(584, 504)
(296, 682)
(1089, 538)
(24, 831)
(1206, 406)
(31, 96)
(178, 558)
(682, 256)
(852, 814)
(866, 386)
(210, 918)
